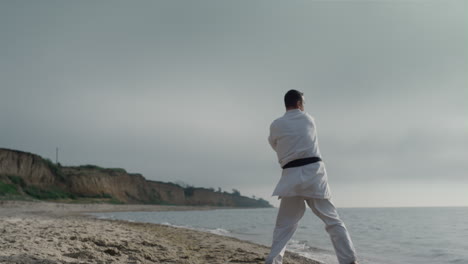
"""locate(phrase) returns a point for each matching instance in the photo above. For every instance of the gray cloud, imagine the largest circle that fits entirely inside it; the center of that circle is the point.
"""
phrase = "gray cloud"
(145, 85)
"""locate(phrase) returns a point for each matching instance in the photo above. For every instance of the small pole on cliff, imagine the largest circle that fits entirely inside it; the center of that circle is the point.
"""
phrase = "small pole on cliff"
(56, 155)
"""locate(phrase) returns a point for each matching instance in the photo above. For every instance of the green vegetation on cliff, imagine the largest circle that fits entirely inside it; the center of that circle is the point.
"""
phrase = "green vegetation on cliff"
(8, 189)
(14, 187)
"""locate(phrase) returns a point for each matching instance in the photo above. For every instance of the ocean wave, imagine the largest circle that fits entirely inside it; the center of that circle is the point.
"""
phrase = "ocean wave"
(304, 249)
(178, 226)
(217, 231)
(104, 217)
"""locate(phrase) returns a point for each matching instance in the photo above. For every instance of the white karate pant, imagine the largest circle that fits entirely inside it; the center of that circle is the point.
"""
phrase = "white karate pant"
(291, 211)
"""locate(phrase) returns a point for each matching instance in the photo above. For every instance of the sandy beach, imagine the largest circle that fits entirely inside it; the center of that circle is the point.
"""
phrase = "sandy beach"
(42, 232)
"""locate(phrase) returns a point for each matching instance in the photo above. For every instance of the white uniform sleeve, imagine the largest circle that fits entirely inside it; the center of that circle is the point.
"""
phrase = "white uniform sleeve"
(272, 137)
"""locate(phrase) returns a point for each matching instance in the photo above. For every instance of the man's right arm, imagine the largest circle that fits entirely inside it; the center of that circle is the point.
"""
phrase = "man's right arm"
(272, 137)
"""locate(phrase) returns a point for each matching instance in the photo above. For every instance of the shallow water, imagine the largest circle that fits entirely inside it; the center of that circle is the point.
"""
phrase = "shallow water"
(380, 235)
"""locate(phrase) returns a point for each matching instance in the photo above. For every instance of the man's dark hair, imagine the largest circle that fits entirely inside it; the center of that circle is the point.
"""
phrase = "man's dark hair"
(292, 97)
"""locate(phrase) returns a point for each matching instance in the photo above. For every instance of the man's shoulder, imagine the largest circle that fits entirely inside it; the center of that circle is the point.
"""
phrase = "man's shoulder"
(274, 124)
(286, 120)
(278, 121)
(308, 116)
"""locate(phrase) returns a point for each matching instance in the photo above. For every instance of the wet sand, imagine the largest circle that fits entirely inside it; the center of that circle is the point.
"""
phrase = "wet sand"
(42, 232)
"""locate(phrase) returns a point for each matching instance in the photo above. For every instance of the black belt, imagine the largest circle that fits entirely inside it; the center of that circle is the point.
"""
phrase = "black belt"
(301, 162)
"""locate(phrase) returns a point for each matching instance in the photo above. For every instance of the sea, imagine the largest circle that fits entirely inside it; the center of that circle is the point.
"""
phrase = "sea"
(380, 235)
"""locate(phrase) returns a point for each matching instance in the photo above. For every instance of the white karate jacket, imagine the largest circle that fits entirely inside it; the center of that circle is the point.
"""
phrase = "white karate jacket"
(293, 136)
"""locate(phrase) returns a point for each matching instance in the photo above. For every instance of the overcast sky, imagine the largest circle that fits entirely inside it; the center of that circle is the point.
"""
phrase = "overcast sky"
(186, 91)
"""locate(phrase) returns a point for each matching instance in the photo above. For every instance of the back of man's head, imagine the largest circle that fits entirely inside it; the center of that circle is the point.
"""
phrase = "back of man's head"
(291, 98)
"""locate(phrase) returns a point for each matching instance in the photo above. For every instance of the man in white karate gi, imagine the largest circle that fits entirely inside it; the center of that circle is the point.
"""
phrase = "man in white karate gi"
(303, 181)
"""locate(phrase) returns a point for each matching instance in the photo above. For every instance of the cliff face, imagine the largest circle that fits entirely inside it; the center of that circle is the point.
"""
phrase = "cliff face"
(32, 168)
(125, 187)
(93, 181)
(160, 192)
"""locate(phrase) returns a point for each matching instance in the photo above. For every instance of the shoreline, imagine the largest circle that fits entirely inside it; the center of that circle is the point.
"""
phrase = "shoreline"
(47, 232)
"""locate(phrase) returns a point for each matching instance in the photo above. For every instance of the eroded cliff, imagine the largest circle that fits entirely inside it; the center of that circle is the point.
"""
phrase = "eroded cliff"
(32, 175)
